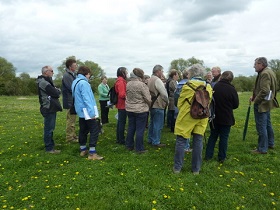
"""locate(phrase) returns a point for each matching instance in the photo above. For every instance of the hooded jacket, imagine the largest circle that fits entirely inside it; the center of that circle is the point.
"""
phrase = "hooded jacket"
(48, 95)
(185, 125)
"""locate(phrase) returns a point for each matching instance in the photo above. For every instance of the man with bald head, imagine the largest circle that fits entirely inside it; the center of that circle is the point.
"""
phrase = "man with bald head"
(216, 72)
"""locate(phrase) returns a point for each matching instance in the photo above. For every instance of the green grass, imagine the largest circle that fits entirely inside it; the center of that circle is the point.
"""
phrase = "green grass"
(32, 179)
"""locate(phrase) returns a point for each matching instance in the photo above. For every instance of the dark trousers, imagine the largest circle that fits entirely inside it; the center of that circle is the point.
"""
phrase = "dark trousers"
(49, 126)
(121, 126)
(88, 126)
(136, 124)
(104, 112)
(221, 131)
(170, 119)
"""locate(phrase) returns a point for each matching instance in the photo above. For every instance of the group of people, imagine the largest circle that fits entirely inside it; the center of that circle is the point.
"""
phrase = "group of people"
(140, 96)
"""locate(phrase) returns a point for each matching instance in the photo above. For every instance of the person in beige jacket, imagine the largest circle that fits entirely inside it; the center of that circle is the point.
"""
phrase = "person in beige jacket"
(159, 103)
(137, 103)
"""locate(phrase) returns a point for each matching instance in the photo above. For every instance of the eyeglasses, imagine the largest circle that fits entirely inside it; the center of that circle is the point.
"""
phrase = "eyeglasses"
(50, 70)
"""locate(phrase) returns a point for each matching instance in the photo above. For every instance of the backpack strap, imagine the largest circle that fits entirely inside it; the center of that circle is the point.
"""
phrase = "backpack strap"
(75, 88)
(194, 89)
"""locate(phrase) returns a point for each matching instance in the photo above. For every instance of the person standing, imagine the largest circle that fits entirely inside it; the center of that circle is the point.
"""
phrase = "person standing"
(216, 73)
(176, 97)
(138, 101)
(85, 106)
(226, 99)
(67, 80)
(103, 90)
(49, 105)
(264, 98)
(159, 102)
(120, 87)
(186, 126)
(171, 85)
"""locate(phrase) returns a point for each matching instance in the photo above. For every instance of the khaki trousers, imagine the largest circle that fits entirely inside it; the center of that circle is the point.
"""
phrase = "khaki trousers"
(70, 126)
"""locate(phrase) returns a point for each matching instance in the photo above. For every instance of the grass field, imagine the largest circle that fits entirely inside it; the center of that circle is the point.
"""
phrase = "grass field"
(32, 179)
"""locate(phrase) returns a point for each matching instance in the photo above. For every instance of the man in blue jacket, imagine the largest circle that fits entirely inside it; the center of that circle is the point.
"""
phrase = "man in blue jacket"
(85, 106)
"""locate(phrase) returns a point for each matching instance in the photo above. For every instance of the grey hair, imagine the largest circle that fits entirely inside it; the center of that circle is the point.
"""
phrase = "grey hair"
(45, 69)
(157, 68)
(196, 70)
(227, 75)
(262, 60)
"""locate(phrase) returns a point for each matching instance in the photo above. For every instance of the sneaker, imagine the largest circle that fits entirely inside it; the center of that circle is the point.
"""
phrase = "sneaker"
(54, 151)
(83, 153)
(188, 150)
(94, 156)
(175, 171)
(196, 173)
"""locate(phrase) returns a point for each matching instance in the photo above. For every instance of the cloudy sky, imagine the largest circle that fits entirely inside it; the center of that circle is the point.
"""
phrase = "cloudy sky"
(139, 33)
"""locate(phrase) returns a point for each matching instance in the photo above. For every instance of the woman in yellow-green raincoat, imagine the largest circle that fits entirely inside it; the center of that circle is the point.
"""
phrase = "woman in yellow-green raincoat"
(186, 126)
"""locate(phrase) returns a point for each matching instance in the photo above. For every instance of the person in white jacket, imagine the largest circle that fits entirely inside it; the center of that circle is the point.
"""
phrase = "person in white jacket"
(85, 106)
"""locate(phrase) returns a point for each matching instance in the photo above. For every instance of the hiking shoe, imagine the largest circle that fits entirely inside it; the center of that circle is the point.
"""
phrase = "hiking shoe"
(175, 171)
(159, 145)
(258, 152)
(141, 152)
(83, 153)
(94, 156)
(54, 151)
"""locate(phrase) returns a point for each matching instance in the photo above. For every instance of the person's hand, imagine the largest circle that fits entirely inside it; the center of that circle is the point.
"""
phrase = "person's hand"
(251, 99)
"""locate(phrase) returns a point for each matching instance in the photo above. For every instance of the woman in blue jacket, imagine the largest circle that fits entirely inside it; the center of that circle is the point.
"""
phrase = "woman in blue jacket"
(85, 106)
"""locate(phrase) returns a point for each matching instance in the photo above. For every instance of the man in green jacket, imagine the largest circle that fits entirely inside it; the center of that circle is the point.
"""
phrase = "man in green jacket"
(264, 98)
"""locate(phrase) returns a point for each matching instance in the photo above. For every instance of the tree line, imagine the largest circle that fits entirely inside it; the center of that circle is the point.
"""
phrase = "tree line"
(10, 84)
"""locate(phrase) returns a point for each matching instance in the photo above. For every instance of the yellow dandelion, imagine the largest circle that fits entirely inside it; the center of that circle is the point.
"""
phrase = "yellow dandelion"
(77, 208)
(154, 209)
(182, 189)
(264, 185)
(77, 172)
(228, 185)
(165, 196)
(122, 173)
(273, 203)
(272, 194)
(154, 202)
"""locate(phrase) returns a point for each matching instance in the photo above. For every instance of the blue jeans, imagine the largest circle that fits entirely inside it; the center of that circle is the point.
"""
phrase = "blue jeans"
(136, 124)
(155, 126)
(196, 154)
(88, 126)
(121, 126)
(264, 129)
(187, 146)
(49, 126)
(223, 132)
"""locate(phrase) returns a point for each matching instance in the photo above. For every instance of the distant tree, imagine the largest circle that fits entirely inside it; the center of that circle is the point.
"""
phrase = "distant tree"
(182, 64)
(244, 84)
(274, 64)
(7, 73)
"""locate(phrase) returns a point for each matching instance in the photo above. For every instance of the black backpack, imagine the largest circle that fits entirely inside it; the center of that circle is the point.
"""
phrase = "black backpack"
(113, 95)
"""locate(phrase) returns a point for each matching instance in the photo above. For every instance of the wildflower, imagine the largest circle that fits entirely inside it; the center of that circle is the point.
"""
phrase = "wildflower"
(272, 194)
(154, 202)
